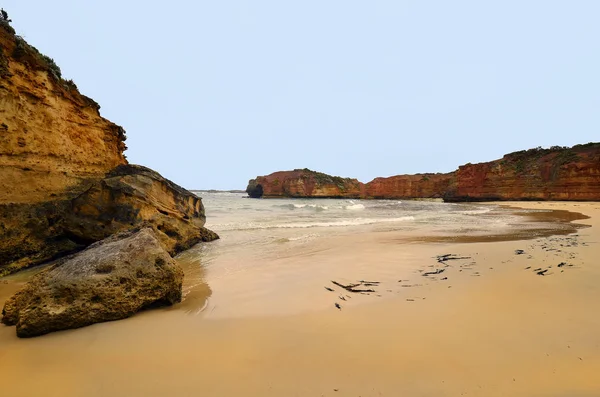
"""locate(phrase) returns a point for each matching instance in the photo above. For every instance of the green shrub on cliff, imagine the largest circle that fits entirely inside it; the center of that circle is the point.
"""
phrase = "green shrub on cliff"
(323, 179)
(3, 63)
(52, 66)
(564, 157)
(70, 84)
(30, 54)
(4, 16)
(5, 21)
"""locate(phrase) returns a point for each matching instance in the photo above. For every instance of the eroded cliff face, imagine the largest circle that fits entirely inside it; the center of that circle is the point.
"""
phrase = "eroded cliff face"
(557, 173)
(535, 174)
(53, 141)
(409, 186)
(304, 183)
(136, 195)
(65, 181)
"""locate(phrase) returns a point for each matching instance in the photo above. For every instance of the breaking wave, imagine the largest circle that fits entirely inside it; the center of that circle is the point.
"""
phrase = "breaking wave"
(304, 225)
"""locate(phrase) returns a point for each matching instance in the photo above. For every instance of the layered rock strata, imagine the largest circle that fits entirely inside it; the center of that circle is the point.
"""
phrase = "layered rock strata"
(304, 183)
(409, 186)
(53, 140)
(65, 180)
(557, 173)
(536, 174)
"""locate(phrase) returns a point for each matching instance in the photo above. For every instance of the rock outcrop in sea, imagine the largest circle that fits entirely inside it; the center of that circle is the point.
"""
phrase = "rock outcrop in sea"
(67, 185)
(557, 173)
(304, 183)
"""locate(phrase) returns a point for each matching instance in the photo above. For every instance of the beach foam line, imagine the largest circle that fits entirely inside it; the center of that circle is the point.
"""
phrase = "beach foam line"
(304, 225)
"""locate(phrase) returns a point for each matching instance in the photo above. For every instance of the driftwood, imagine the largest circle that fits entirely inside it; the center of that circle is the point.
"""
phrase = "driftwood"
(370, 283)
(450, 257)
(352, 287)
(438, 271)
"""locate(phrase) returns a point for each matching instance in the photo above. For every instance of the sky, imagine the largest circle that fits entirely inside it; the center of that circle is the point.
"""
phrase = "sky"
(213, 93)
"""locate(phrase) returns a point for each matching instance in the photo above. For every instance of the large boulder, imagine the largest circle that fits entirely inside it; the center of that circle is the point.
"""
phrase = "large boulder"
(110, 280)
(129, 196)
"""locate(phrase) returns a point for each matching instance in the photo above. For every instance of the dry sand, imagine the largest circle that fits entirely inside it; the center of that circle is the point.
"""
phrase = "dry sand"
(494, 327)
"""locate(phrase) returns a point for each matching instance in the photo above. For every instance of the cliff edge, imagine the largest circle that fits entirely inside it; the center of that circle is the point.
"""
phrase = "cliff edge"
(65, 180)
(557, 173)
(53, 140)
(304, 183)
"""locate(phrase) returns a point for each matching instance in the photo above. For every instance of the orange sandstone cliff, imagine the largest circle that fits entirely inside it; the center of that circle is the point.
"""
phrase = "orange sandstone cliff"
(65, 180)
(409, 186)
(304, 183)
(557, 173)
(52, 138)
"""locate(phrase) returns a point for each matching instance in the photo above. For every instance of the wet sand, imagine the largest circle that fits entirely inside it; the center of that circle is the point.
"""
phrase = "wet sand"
(488, 325)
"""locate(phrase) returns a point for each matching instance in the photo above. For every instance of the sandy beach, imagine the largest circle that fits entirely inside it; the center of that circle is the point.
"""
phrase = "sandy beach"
(506, 318)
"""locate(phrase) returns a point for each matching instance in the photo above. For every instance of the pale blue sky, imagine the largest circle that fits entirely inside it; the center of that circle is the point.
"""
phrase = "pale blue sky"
(213, 93)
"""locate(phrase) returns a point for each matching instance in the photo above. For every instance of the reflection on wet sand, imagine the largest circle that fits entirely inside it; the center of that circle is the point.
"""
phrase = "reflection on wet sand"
(542, 224)
(195, 289)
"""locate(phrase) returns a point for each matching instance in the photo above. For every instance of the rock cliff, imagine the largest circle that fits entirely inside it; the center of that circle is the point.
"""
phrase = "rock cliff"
(557, 173)
(409, 186)
(65, 180)
(304, 183)
(53, 141)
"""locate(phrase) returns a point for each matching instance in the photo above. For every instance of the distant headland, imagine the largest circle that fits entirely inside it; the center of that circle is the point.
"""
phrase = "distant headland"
(556, 173)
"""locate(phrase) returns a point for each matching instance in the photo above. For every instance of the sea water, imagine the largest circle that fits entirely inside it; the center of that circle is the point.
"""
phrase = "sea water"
(276, 255)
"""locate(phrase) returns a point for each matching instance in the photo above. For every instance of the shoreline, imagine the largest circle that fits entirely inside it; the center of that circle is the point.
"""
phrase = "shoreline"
(493, 327)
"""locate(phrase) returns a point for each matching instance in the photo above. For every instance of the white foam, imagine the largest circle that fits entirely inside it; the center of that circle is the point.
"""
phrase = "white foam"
(355, 207)
(481, 210)
(305, 225)
(303, 237)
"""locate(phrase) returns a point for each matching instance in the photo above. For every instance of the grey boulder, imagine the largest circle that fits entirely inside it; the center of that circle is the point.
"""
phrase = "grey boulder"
(110, 280)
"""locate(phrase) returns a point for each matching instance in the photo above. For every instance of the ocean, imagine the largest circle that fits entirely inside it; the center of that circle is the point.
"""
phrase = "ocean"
(272, 250)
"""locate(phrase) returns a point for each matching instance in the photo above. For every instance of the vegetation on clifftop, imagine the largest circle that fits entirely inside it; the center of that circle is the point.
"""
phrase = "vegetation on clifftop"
(561, 155)
(5, 22)
(324, 179)
(31, 56)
